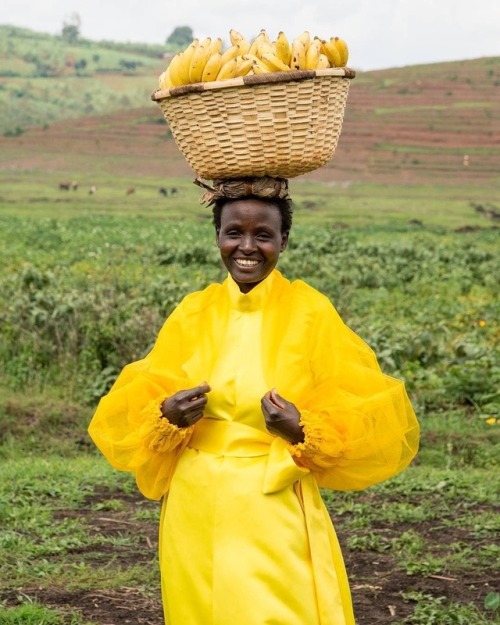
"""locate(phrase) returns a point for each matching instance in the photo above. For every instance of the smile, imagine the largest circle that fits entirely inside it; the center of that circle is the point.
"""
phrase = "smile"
(246, 262)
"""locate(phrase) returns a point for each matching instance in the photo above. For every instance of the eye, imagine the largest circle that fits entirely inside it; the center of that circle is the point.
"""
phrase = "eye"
(264, 235)
(232, 234)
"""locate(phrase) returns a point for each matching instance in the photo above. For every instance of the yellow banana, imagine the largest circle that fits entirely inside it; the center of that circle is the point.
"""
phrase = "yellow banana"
(341, 46)
(215, 46)
(264, 46)
(244, 65)
(323, 62)
(261, 37)
(173, 70)
(185, 61)
(212, 67)
(199, 60)
(312, 55)
(283, 49)
(298, 54)
(259, 66)
(305, 37)
(330, 49)
(265, 36)
(237, 39)
(228, 70)
(165, 81)
(274, 63)
(229, 54)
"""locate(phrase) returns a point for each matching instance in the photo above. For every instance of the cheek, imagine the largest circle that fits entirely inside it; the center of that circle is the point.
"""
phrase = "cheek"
(225, 248)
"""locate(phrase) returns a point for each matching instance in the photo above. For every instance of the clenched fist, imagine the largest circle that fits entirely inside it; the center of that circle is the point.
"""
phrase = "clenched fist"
(185, 408)
(282, 417)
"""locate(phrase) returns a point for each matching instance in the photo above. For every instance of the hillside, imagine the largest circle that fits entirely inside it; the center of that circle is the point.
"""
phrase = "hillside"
(435, 123)
(425, 122)
(43, 78)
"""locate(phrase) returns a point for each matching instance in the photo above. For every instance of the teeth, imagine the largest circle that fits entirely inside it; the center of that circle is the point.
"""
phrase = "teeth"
(246, 263)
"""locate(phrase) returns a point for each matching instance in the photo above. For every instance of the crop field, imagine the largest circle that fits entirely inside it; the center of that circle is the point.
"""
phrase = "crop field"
(102, 234)
(84, 289)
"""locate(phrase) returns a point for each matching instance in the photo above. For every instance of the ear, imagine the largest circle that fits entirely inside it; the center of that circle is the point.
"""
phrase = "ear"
(284, 241)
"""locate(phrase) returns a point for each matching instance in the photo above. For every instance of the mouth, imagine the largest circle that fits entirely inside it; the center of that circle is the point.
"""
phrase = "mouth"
(246, 262)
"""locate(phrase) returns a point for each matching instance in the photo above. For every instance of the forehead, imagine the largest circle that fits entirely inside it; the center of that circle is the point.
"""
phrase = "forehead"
(250, 213)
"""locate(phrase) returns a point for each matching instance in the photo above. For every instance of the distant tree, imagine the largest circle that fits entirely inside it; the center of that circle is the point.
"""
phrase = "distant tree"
(71, 28)
(181, 36)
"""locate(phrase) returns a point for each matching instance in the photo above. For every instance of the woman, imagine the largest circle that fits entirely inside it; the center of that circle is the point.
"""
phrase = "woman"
(254, 394)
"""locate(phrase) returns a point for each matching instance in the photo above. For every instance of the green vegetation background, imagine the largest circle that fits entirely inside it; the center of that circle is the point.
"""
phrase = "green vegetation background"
(86, 282)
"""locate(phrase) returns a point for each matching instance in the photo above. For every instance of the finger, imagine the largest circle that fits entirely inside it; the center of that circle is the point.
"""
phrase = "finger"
(198, 403)
(193, 393)
(197, 409)
(266, 401)
(192, 417)
(204, 387)
(269, 410)
(276, 399)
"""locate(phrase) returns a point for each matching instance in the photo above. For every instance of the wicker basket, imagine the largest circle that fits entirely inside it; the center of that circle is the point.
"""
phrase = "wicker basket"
(280, 124)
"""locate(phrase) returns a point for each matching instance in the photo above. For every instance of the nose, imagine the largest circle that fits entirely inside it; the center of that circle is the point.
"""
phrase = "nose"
(247, 244)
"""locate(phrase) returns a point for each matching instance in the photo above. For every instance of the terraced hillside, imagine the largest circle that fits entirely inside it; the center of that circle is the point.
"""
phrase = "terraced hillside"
(436, 123)
(439, 123)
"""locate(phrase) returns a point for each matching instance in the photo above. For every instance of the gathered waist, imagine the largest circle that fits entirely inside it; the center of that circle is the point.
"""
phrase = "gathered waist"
(230, 438)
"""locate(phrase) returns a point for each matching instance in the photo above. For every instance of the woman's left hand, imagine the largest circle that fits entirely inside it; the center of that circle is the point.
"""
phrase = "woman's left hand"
(282, 417)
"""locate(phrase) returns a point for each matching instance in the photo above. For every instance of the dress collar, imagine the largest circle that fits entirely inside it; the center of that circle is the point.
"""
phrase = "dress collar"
(255, 299)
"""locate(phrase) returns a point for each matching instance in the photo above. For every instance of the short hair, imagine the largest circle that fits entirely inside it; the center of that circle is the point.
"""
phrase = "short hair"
(284, 206)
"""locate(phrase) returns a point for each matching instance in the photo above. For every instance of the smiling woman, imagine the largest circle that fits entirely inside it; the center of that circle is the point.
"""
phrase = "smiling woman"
(254, 395)
(250, 237)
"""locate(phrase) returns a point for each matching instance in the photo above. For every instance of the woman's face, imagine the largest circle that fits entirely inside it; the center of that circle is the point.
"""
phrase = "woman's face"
(250, 240)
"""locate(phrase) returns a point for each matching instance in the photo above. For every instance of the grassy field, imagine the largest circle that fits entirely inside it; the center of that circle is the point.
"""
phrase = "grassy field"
(86, 282)
(396, 230)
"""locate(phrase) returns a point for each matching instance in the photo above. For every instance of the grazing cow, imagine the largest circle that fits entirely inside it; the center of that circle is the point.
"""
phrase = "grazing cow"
(64, 186)
(92, 189)
(166, 192)
(74, 185)
(130, 190)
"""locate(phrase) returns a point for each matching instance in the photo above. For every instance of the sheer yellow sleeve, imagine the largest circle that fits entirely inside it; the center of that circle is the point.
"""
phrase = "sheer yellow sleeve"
(127, 426)
(359, 425)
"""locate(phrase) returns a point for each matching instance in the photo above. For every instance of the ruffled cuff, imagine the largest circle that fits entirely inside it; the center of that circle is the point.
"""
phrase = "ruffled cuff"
(157, 432)
(317, 450)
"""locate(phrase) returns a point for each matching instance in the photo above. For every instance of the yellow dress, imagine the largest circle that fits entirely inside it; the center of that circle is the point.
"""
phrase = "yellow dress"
(244, 535)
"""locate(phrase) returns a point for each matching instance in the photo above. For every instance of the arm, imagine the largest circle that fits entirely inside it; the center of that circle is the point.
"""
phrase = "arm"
(129, 427)
(359, 426)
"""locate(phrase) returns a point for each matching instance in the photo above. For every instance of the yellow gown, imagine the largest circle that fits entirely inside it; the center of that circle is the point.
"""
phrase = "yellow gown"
(244, 535)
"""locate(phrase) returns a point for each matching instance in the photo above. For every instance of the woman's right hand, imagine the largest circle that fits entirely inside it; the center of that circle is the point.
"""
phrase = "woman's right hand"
(185, 408)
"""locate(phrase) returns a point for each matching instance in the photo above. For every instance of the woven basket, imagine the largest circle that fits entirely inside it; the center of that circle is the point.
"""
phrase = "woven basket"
(280, 124)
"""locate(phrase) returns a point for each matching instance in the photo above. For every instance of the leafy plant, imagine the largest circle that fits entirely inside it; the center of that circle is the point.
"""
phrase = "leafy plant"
(431, 610)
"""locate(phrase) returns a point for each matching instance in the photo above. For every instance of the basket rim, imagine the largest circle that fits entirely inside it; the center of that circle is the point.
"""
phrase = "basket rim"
(258, 79)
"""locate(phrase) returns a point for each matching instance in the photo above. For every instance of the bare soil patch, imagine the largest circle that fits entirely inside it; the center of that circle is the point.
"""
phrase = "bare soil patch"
(376, 580)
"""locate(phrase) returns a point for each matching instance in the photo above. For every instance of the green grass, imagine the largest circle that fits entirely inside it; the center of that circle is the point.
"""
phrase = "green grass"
(32, 613)
(77, 269)
(358, 204)
(431, 610)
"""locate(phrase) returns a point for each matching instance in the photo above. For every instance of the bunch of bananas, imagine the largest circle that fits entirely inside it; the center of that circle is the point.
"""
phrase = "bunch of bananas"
(204, 61)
